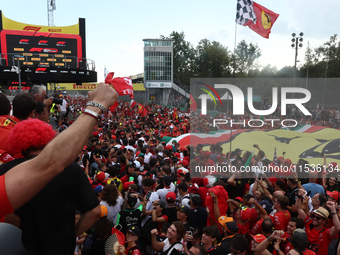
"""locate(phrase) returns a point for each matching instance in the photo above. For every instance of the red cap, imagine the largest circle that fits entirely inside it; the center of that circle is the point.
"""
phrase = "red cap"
(238, 199)
(185, 162)
(259, 238)
(245, 213)
(334, 195)
(171, 196)
(207, 153)
(127, 184)
(101, 176)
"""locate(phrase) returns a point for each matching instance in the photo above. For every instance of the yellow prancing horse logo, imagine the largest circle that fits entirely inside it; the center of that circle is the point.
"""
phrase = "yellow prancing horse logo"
(265, 18)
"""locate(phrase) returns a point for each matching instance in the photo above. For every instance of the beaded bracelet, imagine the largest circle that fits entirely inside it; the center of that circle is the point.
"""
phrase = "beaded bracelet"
(95, 104)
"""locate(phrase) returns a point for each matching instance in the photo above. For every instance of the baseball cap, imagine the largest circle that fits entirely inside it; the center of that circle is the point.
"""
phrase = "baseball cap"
(266, 205)
(134, 230)
(170, 197)
(131, 201)
(184, 209)
(299, 235)
(98, 189)
(259, 238)
(137, 163)
(103, 211)
(238, 150)
(161, 203)
(184, 162)
(334, 194)
(101, 176)
(238, 199)
(229, 224)
(245, 213)
(146, 173)
(322, 212)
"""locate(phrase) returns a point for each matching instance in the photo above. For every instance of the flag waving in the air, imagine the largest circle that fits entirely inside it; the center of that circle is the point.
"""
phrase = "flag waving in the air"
(255, 16)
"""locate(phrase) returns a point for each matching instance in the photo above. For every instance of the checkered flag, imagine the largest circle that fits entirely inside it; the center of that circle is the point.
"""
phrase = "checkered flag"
(245, 12)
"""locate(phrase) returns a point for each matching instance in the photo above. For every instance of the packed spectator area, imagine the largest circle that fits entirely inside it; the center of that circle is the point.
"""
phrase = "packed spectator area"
(126, 182)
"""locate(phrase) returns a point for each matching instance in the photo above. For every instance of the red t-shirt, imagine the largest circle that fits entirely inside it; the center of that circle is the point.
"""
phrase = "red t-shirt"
(133, 251)
(257, 229)
(286, 244)
(5, 205)
(254, 218)
(281, 220)
(243, 229)
(319, 240)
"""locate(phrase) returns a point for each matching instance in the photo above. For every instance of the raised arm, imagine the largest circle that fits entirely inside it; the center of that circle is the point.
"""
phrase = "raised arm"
(336, 224)
(32, 175)
(298, 205)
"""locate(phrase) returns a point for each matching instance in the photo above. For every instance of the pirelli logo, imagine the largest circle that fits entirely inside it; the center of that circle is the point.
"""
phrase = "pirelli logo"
(54, 30)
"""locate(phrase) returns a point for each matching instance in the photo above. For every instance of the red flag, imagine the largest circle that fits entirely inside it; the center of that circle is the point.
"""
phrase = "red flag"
(142, 111)
(175, 115)
(265, 20)
(123, 86)
(114, 106)
(132, 103)
(193, 104)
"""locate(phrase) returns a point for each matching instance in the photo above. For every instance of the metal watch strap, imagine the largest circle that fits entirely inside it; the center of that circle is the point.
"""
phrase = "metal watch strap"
(95, 104)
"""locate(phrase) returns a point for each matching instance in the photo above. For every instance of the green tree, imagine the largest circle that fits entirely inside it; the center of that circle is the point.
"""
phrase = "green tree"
(245, 57)
(212, 59)
(183, 58)
(322, 57)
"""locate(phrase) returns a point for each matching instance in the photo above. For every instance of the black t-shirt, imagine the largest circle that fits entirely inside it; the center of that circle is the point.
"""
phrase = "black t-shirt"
(47, 220)
(197, 218)
(292, 196)
(171, 213)
(236, 191)
(97, 153)
(224, 246)
(129, 217)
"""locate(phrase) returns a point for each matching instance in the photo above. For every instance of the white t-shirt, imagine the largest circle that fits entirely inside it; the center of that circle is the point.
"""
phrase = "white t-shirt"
(112, 211)
(63, 106)
(167, 245)
(154, 196)
(163, 192)
(147, 158)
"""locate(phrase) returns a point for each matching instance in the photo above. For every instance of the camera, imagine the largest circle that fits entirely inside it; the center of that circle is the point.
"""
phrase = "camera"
(56, 100)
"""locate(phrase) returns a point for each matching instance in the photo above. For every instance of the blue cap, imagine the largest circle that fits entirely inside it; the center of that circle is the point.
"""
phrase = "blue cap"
(266, 205)
(98, 189)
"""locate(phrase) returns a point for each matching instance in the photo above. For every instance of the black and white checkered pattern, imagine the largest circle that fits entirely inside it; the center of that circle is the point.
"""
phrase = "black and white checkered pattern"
(245, 12)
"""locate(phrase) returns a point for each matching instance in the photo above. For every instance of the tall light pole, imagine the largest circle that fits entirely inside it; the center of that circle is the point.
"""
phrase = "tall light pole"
(296, 45)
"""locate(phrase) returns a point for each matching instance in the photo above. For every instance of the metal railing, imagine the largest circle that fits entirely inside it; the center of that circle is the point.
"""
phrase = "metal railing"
(47, 60)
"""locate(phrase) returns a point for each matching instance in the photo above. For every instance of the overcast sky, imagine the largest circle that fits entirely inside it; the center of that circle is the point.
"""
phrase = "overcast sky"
(115, 29)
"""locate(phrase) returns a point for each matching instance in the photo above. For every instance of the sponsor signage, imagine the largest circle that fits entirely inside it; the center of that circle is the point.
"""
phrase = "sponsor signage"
(158, 85)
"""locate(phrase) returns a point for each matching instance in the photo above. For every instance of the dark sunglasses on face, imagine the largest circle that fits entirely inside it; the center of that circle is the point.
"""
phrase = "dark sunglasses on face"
(316, 217)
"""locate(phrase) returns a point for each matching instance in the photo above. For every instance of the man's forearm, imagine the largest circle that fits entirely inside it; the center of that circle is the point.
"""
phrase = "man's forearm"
(87, 220)
(25, 180)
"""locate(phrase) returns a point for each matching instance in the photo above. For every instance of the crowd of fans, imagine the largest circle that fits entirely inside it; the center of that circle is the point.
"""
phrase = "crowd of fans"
(128, 182)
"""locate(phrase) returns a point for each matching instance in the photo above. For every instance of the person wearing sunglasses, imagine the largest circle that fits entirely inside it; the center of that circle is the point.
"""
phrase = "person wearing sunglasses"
(318, 235)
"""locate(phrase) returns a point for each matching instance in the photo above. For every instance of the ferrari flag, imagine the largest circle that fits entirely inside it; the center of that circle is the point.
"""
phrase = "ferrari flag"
(123, 86)
(263, 20)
